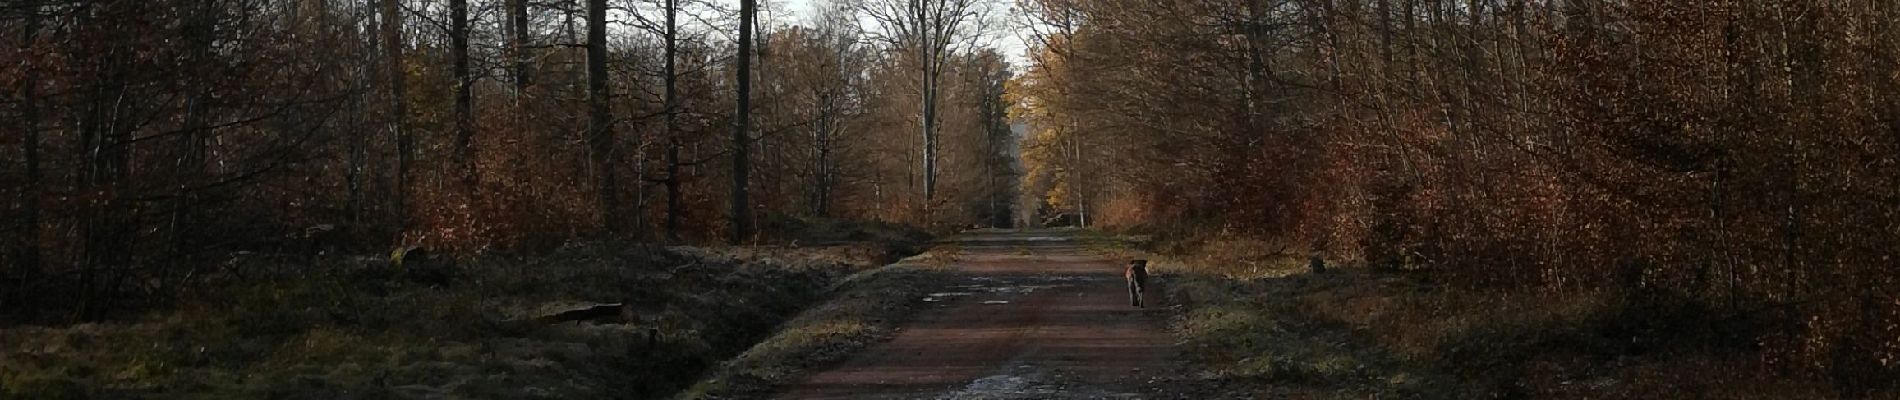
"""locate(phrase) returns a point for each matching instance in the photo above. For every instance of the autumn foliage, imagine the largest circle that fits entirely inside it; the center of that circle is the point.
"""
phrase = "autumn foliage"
(1739, 156)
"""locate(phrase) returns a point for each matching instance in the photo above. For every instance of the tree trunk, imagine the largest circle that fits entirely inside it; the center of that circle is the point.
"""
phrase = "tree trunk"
(192, 143)
(600, 121)
(464, 96)
(741, 165)
(1806, 65)
(929, 93)
(399, 110)
(1411, 47)
(1384, 9)
(673, 197)
(1475, 80)
(107, 147)
(1256, 75)
(927, 59)
(640, 156)
(574, 78)
(353, 177)
(28, 267)
(1078, 182)
(518, 42)
(930, 133)
(821, 141)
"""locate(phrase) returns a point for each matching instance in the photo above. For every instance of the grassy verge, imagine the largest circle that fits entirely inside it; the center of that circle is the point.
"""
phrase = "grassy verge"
(361, 328)
(1266, 326)
(866, 310)
(1244, 338)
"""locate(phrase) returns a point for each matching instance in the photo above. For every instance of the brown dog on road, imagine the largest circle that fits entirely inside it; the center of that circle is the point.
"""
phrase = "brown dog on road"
(1137, 276)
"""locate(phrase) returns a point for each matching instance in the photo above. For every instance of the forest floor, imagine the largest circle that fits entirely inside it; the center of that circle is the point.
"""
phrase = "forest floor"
(361, 328)
(1261, 324)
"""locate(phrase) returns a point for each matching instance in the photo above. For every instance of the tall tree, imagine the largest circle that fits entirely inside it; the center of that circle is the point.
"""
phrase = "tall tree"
(464, 94)
(742, 125)
(199, 32)
(363, 76)
(931, 29)
(672, 104)
(517, 45)
(399, 109)
(830, 81)
(600, 120)
(28, 267)
(998, 161)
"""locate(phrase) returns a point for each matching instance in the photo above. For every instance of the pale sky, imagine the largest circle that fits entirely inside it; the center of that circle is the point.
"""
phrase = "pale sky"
(1007, 38)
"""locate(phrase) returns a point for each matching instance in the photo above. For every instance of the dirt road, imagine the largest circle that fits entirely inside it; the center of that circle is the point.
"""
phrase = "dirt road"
(1028, 316)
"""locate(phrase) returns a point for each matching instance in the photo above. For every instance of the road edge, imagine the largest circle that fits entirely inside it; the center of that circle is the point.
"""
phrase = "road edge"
(865, 308)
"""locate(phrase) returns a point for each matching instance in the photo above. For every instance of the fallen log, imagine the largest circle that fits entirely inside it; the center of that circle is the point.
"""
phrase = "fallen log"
(599, 313)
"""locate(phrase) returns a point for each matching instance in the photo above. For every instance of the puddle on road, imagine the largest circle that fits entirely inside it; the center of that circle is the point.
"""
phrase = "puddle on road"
(1030, 382)
(936, 297)
(1005, 387)
(1076, 278)
(1007, 287)
(1024, 289)
(1017, 287)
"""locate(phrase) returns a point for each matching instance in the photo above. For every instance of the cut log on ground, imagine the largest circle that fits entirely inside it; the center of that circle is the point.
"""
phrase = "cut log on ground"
(612, 313)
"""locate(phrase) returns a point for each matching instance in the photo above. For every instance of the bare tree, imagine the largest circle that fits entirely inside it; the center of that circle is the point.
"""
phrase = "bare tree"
(399, 110)
(992, 77)
(362, 75)
(199, 32)
(741, 136)
(933, 29)
(840, 35)
(600, 120)
(673, 201)
(517, 45)
(464, 95)
(28, 266)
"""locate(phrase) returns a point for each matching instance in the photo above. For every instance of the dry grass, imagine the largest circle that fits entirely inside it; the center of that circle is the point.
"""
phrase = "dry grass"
(1542, 345)
(1246, 334)
(1260, 321)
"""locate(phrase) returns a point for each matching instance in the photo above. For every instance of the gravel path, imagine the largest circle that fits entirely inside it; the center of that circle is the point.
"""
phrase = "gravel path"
(1028, 316)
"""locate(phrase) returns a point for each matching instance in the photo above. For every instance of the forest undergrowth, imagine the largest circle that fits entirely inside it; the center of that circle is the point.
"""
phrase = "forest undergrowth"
(360, 327)
(1258, 321)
